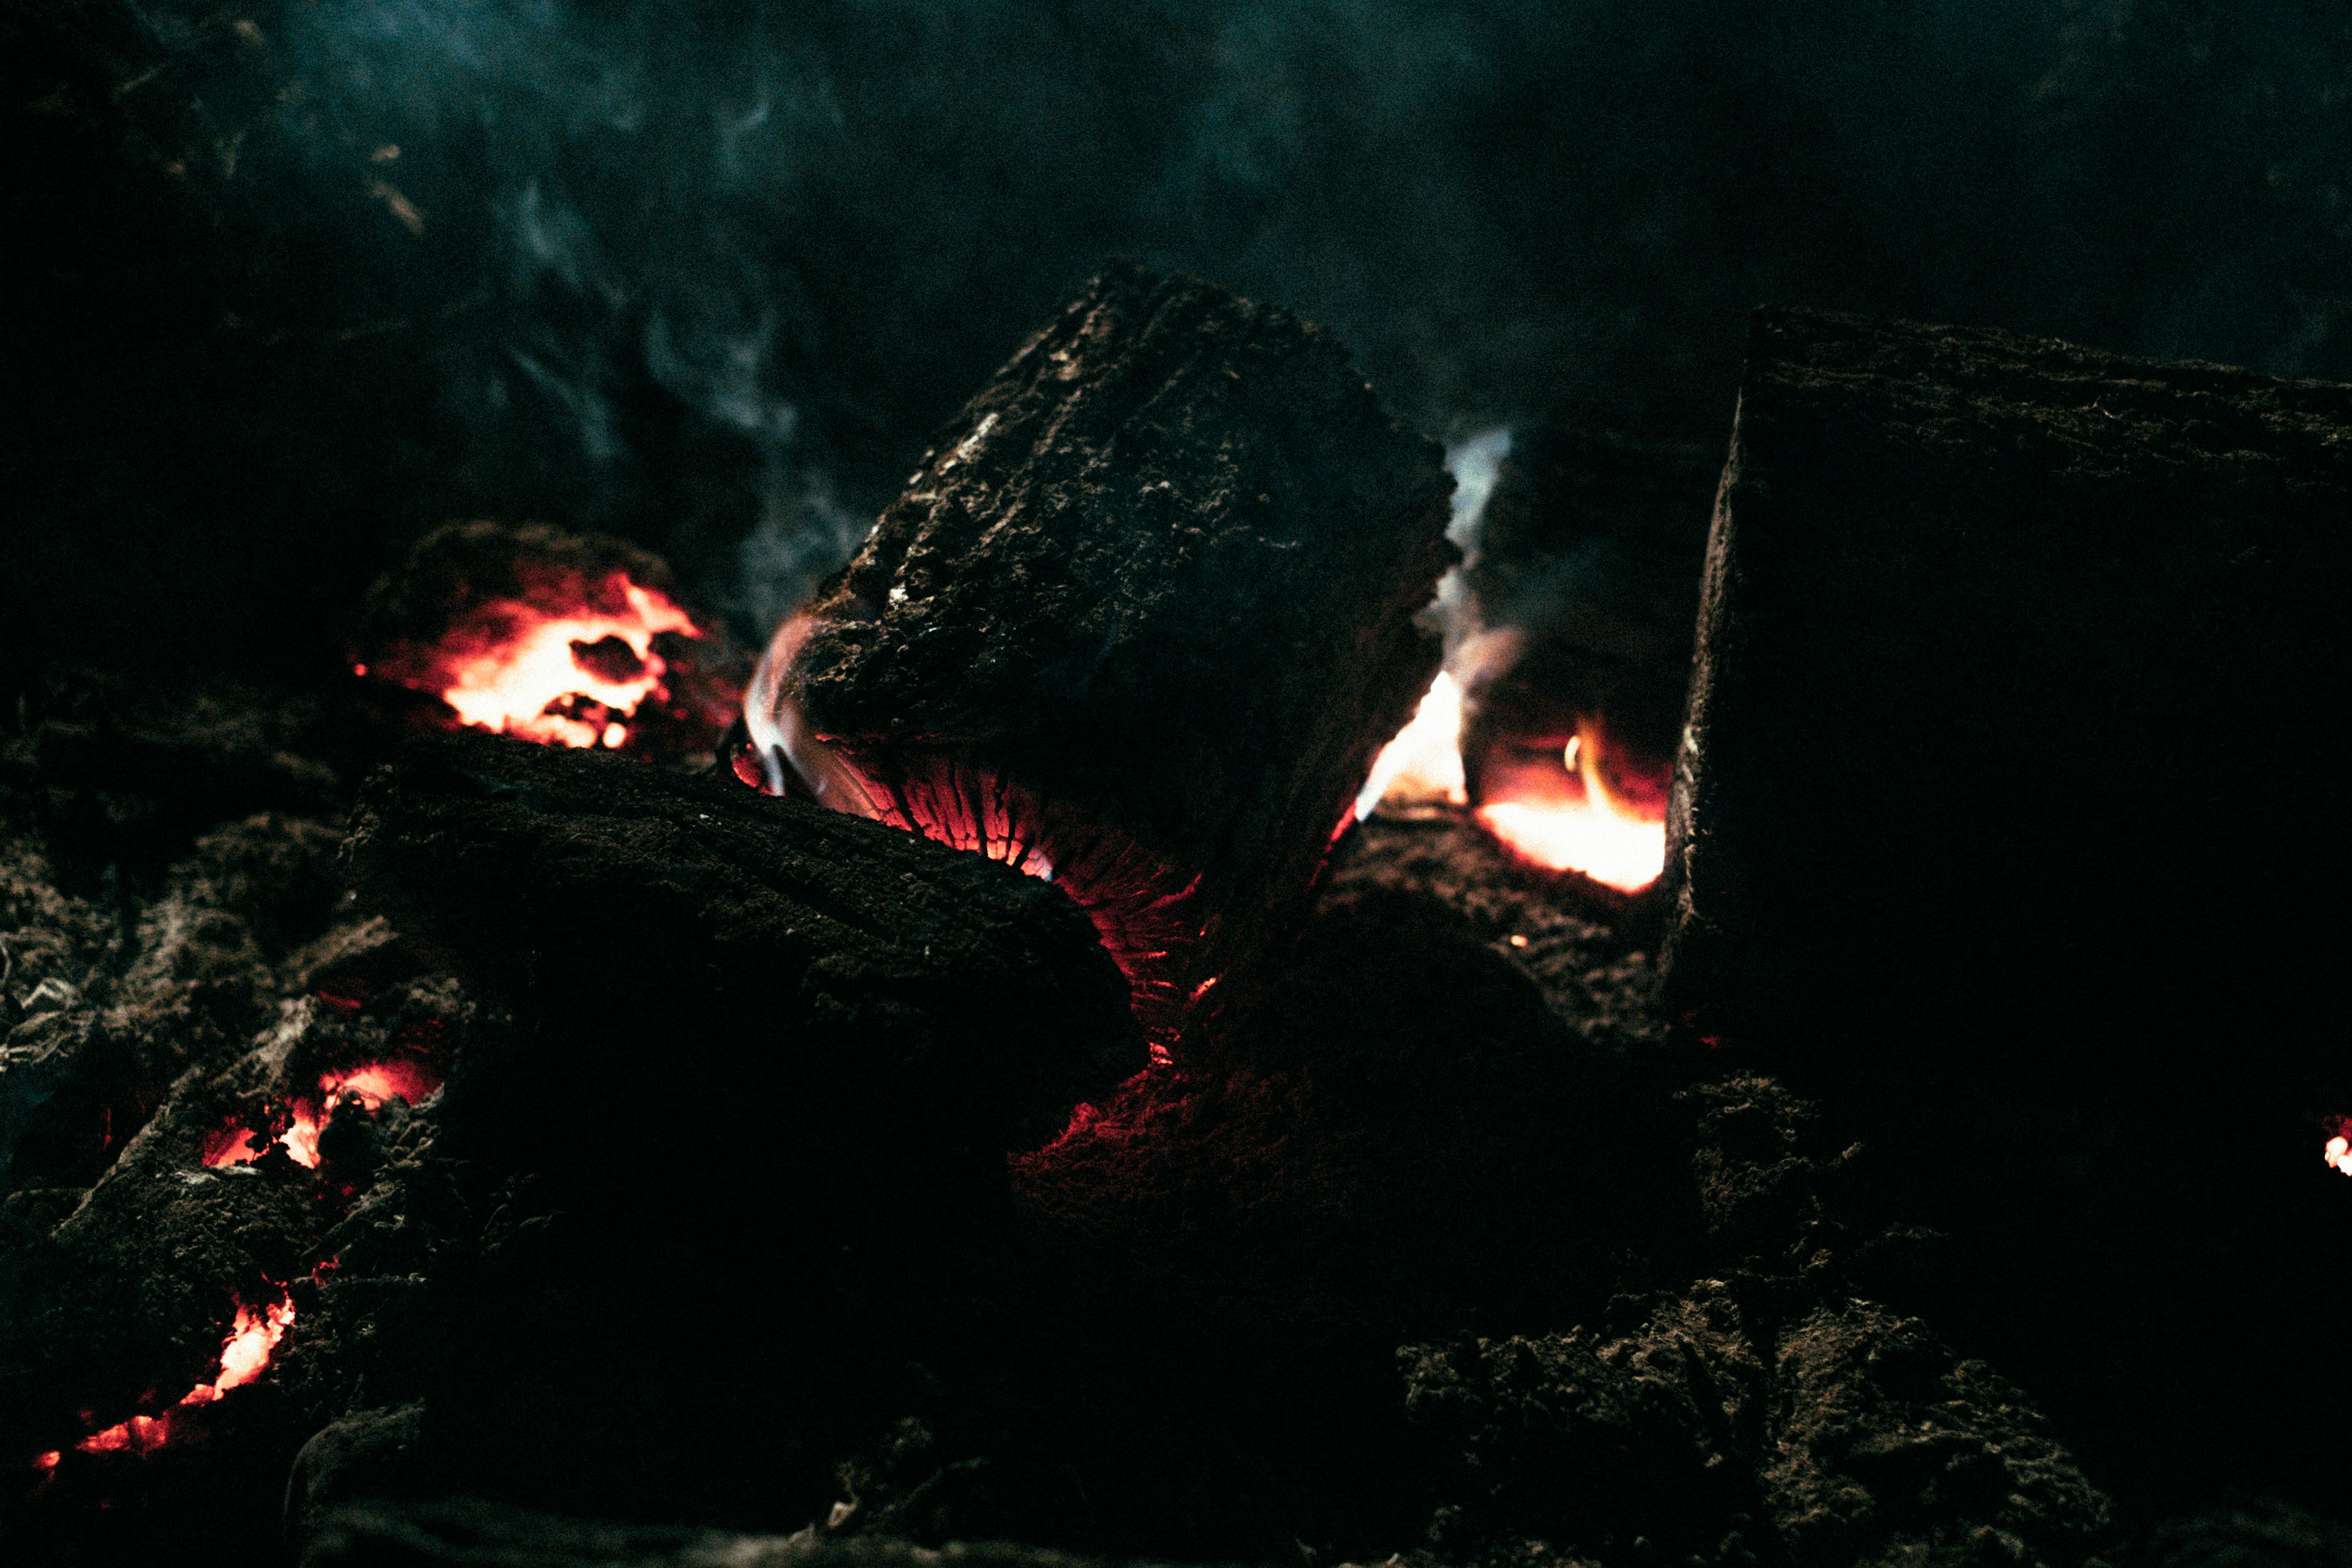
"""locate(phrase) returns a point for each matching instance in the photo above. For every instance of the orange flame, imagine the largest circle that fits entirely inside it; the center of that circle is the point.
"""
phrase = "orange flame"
(1597, 832)
(2339, 1151)
(529, 661)
(1564, 816)
(245, 1355)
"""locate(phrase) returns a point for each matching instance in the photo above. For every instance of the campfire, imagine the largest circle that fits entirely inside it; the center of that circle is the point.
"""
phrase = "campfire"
(1135, 1026)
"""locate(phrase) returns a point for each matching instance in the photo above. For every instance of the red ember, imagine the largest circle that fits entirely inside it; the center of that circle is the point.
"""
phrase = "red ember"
(245, 1355)
(570, 678)
(1147, 913)
(370, 1085)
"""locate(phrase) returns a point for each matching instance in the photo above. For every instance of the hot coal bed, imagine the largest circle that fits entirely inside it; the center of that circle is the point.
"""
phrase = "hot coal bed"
(1192, 1004)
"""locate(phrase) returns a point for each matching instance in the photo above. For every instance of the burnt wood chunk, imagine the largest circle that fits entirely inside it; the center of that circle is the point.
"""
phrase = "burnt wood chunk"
(2010, 817)
(1142, 620)
(766, 968)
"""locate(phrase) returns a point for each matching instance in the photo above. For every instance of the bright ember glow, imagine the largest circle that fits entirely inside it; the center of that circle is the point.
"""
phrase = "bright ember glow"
(2340, 1153)
(520, 661)
(1425, 761)
(1561, 809)
(1597, 830)
(1617, 850)
(245, 1355)
(370, 1085)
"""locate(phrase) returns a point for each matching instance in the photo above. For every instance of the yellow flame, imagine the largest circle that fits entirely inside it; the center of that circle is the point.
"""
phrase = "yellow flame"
(1601, 835)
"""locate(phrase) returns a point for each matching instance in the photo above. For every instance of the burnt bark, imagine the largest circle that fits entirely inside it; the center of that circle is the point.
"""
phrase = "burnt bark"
(1145, 608)
(693, 947)
(2015, 661)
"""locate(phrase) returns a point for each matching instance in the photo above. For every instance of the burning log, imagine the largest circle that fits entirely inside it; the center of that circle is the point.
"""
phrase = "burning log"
(2009, 813)
(818, 961)
(1140, 623)
(1585, 578)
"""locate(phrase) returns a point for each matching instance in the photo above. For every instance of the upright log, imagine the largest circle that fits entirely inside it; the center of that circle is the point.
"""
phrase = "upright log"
(2011, 817)
(1140, 622)
(2017, 664)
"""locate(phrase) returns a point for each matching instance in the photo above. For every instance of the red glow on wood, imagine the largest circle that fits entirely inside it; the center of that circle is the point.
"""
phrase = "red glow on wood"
(568, 664)
(370, 1085)
(1150, 917)
(245, 1356)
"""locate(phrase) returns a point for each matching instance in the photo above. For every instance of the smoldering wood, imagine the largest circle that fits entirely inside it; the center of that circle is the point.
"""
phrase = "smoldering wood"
(741, 958)
(1158, 582)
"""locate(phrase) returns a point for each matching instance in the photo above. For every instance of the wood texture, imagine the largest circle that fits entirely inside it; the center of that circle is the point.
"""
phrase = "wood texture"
(1145, 613)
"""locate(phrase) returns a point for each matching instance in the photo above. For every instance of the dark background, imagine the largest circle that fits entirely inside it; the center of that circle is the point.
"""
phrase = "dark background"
(704, 275)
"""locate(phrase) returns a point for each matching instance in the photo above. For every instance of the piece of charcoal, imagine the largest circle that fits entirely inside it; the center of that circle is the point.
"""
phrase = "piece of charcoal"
(1140, 622)
(2009, 818)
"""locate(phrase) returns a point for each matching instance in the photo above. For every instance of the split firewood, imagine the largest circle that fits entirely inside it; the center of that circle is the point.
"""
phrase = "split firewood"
(2016, 661)
(2010, 817)
(1140, 623)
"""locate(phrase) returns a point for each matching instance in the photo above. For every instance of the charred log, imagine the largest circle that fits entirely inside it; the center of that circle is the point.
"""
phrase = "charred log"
(2006, 819)
(1141, 621)
(772, 956)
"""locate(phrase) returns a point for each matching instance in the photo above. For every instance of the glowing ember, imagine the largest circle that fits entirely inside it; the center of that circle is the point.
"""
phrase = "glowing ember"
(1597, 831)
(370, 1085)
(2340, 1153)
(1617, 852)
(245, 1355)
(1563, 811)
(521, 665)
(1425, 762)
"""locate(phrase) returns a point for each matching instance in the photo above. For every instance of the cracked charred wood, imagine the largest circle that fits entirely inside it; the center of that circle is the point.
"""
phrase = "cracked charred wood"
(762, 968)
(766, 1063)
(2009, 817)
(1140, 622)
